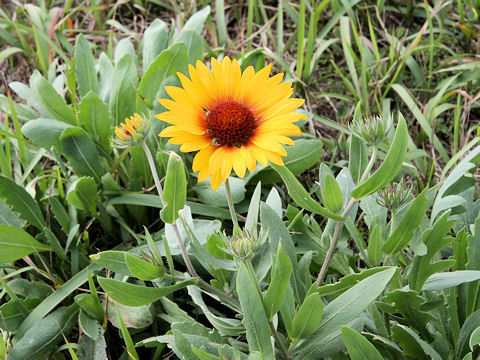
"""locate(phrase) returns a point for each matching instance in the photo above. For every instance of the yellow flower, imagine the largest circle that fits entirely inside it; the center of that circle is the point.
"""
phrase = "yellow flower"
(232, 119)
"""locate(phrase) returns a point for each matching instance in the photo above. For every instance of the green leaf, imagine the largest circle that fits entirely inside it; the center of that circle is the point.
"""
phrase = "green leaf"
(281, 271)
(82, 153)
(348, 281)
(254, 317)
(83, 194)
(300, 157)
(43, 337)
(407, 226)
(54, 299)
(155, 40)
(132, 352)
(142, 269)
(85, 73)
(90, 326)
(7, 217)
(469, 326)
(332, 194)
(10, 314)
(196, 22)
(218, 197)
(357, 158)
(51, 101)
(409, 304)
(434, 239)
(94, 116)
(375, 244)
(194, 44)
(16, 243)
(44, 132)
(136, 317)
(21, 202)
(122, 93)
(188, 334)
(300, 195)
(203, 355)
(307, 317)
(112, 260)
(474, 338)
(358, 347)
(412, 344)
(93, 349)
(175, 189)
(344, 309)
(168, 63)
(445, 280)
(137, 295)
(273, 225)
(91, 305)
(390, 166)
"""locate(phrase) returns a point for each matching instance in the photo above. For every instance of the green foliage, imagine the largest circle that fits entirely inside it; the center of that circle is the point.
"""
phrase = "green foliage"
(396, 279)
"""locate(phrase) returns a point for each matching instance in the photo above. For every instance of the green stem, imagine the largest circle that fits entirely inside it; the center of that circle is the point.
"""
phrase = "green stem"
(183, 250)
(339, 224)
(233, 214)
(370, 164)
(153, 169)
(333, 243)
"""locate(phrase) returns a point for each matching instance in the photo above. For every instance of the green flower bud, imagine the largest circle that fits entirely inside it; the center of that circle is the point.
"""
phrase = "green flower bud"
(372, 130)
(393, 196)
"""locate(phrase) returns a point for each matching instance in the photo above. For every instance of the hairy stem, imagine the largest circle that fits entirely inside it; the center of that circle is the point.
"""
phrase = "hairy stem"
(183, 250)
(233, 214)
(339, 224)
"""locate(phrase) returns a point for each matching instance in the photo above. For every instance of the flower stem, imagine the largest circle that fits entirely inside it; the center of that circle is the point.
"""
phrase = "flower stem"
(339, 224)
(333, 243)
(183, 250)
(153, 169)
(233, 214)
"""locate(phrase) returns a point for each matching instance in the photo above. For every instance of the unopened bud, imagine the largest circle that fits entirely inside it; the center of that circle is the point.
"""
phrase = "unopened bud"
(131, 132)
(372, 130)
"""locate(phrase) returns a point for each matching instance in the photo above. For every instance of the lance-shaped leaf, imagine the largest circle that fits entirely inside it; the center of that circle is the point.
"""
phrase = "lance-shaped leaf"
(175, 189)
(407, 226)
(358, 347)
(300, 195)
(281, 271)
(142, 269)
(307, 317)
(254, 317)
(332, 194)
(16, 243)
(138, 295)
(424, 266)
(82, 153)
(390, 166)
(85, 73)
(82, 194)
(20, 201)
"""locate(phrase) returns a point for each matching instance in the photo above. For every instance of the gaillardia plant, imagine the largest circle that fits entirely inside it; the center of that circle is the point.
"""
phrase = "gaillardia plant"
(233, 119)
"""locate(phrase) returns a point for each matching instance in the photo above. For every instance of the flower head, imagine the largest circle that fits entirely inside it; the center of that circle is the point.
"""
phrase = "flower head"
(131, 132)
(232, 119)
(372, 130)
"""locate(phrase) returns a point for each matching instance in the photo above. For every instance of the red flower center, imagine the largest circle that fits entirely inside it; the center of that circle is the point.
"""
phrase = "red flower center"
(230, 124)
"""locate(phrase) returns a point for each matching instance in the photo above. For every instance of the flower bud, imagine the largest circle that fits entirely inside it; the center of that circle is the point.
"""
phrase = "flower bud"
(372, 130)
(131, 132)
(393, 196)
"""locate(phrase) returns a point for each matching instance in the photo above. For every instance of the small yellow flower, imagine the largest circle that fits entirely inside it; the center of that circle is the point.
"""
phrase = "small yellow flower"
(131, 131)
(232, 119)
